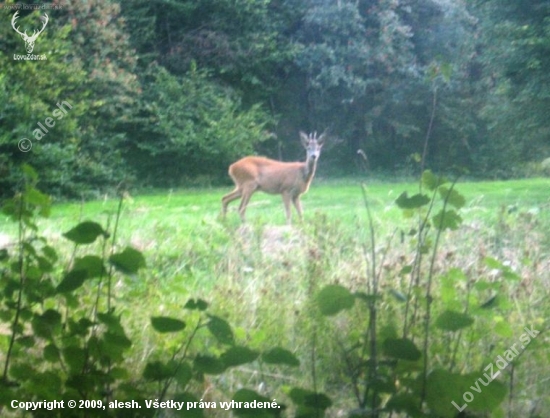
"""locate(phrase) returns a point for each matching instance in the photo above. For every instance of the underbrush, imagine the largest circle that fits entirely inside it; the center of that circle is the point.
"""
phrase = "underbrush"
(367, 308)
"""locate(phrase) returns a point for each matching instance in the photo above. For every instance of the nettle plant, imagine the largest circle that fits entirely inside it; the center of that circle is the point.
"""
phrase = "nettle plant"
(66, 340)
(405, 348)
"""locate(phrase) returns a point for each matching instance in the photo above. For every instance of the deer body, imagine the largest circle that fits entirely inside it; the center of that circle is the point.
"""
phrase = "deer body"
(290, 180)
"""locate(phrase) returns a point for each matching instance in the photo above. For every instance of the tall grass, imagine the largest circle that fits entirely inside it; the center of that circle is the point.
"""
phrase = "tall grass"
(262, 275)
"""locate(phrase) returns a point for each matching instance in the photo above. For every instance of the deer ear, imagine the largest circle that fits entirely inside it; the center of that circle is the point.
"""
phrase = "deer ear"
(321, 139)
(304, 138)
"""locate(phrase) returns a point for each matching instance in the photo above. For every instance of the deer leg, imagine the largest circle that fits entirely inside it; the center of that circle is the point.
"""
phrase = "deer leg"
(228, 198)
(246, 195)
(286, 201)
(297, 205)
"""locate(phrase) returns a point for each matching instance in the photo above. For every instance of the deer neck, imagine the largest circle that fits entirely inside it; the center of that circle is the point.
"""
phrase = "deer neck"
(309, 170)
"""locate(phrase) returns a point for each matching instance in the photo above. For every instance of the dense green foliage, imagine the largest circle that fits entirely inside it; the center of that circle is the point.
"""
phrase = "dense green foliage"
(514, 51)
(396, 309)
(168, 93)
(66, 320)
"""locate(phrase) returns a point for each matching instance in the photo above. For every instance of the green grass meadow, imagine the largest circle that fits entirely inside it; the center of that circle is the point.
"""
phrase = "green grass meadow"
(262, 276)
(188, 210)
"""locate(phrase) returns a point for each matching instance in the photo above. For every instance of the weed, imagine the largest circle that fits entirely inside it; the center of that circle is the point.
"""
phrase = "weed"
(263, 278)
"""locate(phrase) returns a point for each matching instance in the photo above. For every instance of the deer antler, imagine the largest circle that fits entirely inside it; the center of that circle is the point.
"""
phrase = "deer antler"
(35, 34)
(44, 19)
(13, 19)
(29, 40)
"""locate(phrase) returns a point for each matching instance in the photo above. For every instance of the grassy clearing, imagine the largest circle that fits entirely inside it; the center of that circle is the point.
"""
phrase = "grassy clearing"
(186, 211)
(261, 276)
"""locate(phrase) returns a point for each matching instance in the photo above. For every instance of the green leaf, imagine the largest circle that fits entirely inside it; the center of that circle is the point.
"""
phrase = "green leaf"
(405, 403)
(75, 357)
(39, 199)
(250, 399)
(112, 322)
(72, 281)
(44, 264)
(51, 317)
(493, 263)
(405, 270)
(443, 388)
(220, 329)
(506, 271)
(504, 329)
(490, 397)
(85, 233)
(51, 353)
(490, 303)
(431, 181)
(114, 345)
(413, 202)
(46, 384)
(183, 374)
(92, 264)
(309, 403)
(279, 355)
(447, 219)
(298, 395)
(401, 348)
(453, 197)
(79, 327)
(29, 172)
(128, 261)
(119, 373)
(198, 305)
(247, 395)
(27, 341)
(83, 268)
(208, 365)
(157, 371)
(509, 274)
(43, 325)
(22, 372)
(333, 299)
(453, 321)
(317, 401)
(165, 324)
(236, 355)
(50, 253)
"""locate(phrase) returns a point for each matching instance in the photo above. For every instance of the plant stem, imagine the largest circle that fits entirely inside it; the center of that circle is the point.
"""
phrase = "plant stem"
(429, 294)
(21, 233)
(428, 132)
(371, 330)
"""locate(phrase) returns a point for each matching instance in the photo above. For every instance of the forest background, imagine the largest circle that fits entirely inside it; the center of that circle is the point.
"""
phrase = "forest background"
(168, 93)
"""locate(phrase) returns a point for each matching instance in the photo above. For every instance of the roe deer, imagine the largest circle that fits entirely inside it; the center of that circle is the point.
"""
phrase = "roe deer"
(290, 180)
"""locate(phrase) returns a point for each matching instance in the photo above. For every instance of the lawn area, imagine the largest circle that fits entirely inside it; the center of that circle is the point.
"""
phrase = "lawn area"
(189, 209)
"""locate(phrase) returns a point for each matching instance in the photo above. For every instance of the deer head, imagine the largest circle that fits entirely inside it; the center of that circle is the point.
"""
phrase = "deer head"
(29, 40)
(313, 144)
